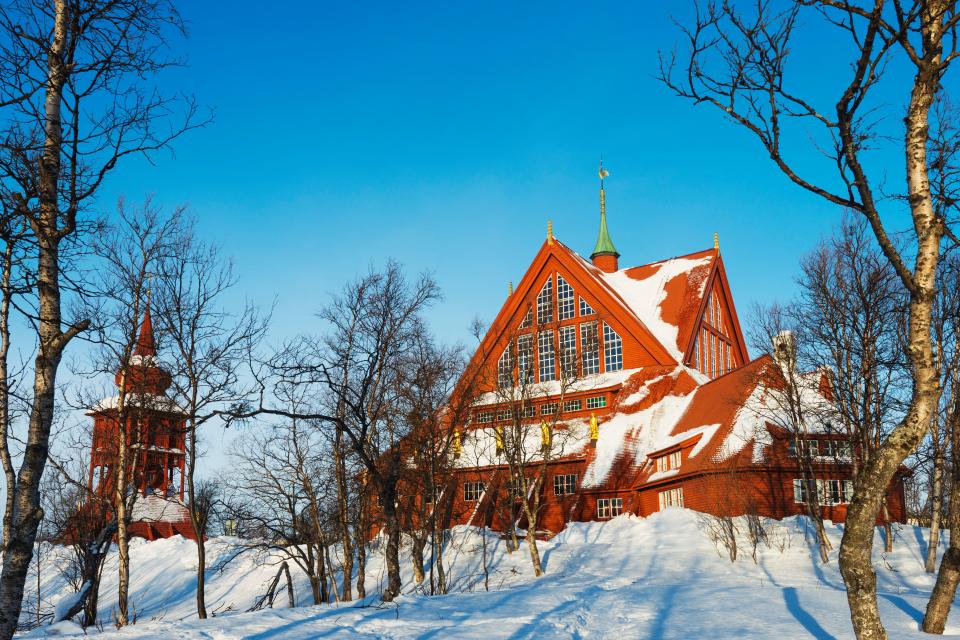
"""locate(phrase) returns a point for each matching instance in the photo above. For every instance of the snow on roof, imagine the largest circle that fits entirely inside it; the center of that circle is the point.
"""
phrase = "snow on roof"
(140, 400)
(594, 382)
(645, 290)
(479, 446)
(641, 422)
(154, 508)
(663, 295)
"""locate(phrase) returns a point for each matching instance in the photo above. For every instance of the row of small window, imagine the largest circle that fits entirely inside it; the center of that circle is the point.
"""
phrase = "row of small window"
(546, 409)
(521, 358)
(564, 484)
(667, 462)
(838, 449)
(565, 303)
(829, 492)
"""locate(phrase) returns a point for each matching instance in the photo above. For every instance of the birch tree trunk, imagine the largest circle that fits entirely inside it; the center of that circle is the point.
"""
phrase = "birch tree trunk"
(5, 459)
(343, 511)
(194, 512)
(27, 513)
(936, 495)
(856, 548)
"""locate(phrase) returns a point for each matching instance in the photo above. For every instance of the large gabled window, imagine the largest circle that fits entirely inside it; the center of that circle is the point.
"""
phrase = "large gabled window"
(612, 349)
(585, 308)
(545, 303)
(505, 369)
(565, 301)
(525, 358)
(568, 351)
(547, 357)
(590, 348)
(527, 320)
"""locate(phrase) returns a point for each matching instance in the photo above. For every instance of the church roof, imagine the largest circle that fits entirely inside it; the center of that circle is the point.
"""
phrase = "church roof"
(664, 295)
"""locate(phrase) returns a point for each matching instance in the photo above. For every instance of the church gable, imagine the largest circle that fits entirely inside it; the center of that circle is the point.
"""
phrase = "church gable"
(716, 344)
(561, 320)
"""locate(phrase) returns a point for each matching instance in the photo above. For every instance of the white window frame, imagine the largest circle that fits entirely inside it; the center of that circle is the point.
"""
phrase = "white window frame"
(585, 308)
(609, 508)
(565, 299)
(568, 351)
(546, 357)
(505, 369)
(589, 348)
(564, 484)
(473, 491)
(671, 498)
(597, 402)
(545, 303)
(525, 358)
(612, 349)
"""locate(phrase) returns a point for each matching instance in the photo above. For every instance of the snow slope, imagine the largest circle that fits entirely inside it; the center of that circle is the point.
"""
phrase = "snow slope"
(659, 577)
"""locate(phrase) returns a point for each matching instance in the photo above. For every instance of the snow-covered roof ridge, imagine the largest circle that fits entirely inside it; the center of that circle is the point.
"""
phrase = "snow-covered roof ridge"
(643, 290)
(141, 401)
(646, 295)
(154, 508)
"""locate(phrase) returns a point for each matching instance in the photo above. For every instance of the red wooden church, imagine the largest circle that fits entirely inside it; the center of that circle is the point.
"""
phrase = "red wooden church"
(667, 410)
(156, 444)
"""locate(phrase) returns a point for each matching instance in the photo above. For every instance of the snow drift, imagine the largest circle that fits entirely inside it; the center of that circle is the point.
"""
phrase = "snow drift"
(659, 577)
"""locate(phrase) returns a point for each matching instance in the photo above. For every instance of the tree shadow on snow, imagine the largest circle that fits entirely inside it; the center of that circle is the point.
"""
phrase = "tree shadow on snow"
(809, 623)
(900, 603)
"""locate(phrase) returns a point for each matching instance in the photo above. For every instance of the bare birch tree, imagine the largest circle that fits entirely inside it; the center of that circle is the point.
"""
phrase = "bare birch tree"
(208, 348)
(738, 61)
(75, 100)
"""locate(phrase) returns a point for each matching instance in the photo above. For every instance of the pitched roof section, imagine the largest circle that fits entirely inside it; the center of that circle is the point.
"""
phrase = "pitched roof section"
(664, 296)
(660, 412)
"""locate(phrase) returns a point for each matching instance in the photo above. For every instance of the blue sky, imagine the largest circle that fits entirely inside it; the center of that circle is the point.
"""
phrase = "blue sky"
(445, 135)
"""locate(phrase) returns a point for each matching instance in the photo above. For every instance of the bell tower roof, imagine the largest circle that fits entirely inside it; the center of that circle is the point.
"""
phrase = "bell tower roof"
(604, 254)
(145, 343)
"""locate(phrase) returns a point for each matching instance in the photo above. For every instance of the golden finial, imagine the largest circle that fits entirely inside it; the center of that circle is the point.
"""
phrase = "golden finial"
(510, 288)
(549, 232)
(603, 197)
(716, 241)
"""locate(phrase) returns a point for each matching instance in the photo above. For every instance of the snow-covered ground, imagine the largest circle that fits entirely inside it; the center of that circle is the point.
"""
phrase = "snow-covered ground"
(659, 577)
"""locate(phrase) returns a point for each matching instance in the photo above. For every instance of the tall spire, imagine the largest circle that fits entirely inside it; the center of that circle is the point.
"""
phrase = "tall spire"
(604, 253)
(145, 344)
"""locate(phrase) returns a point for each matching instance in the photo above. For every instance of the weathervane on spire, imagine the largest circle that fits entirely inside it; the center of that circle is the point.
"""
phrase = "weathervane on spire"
(604, 253)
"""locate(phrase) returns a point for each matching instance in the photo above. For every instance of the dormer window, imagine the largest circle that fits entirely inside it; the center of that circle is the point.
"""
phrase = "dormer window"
(668, 462)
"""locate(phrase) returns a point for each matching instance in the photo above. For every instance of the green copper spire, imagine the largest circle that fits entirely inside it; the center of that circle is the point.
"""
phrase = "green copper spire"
(604, 244)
